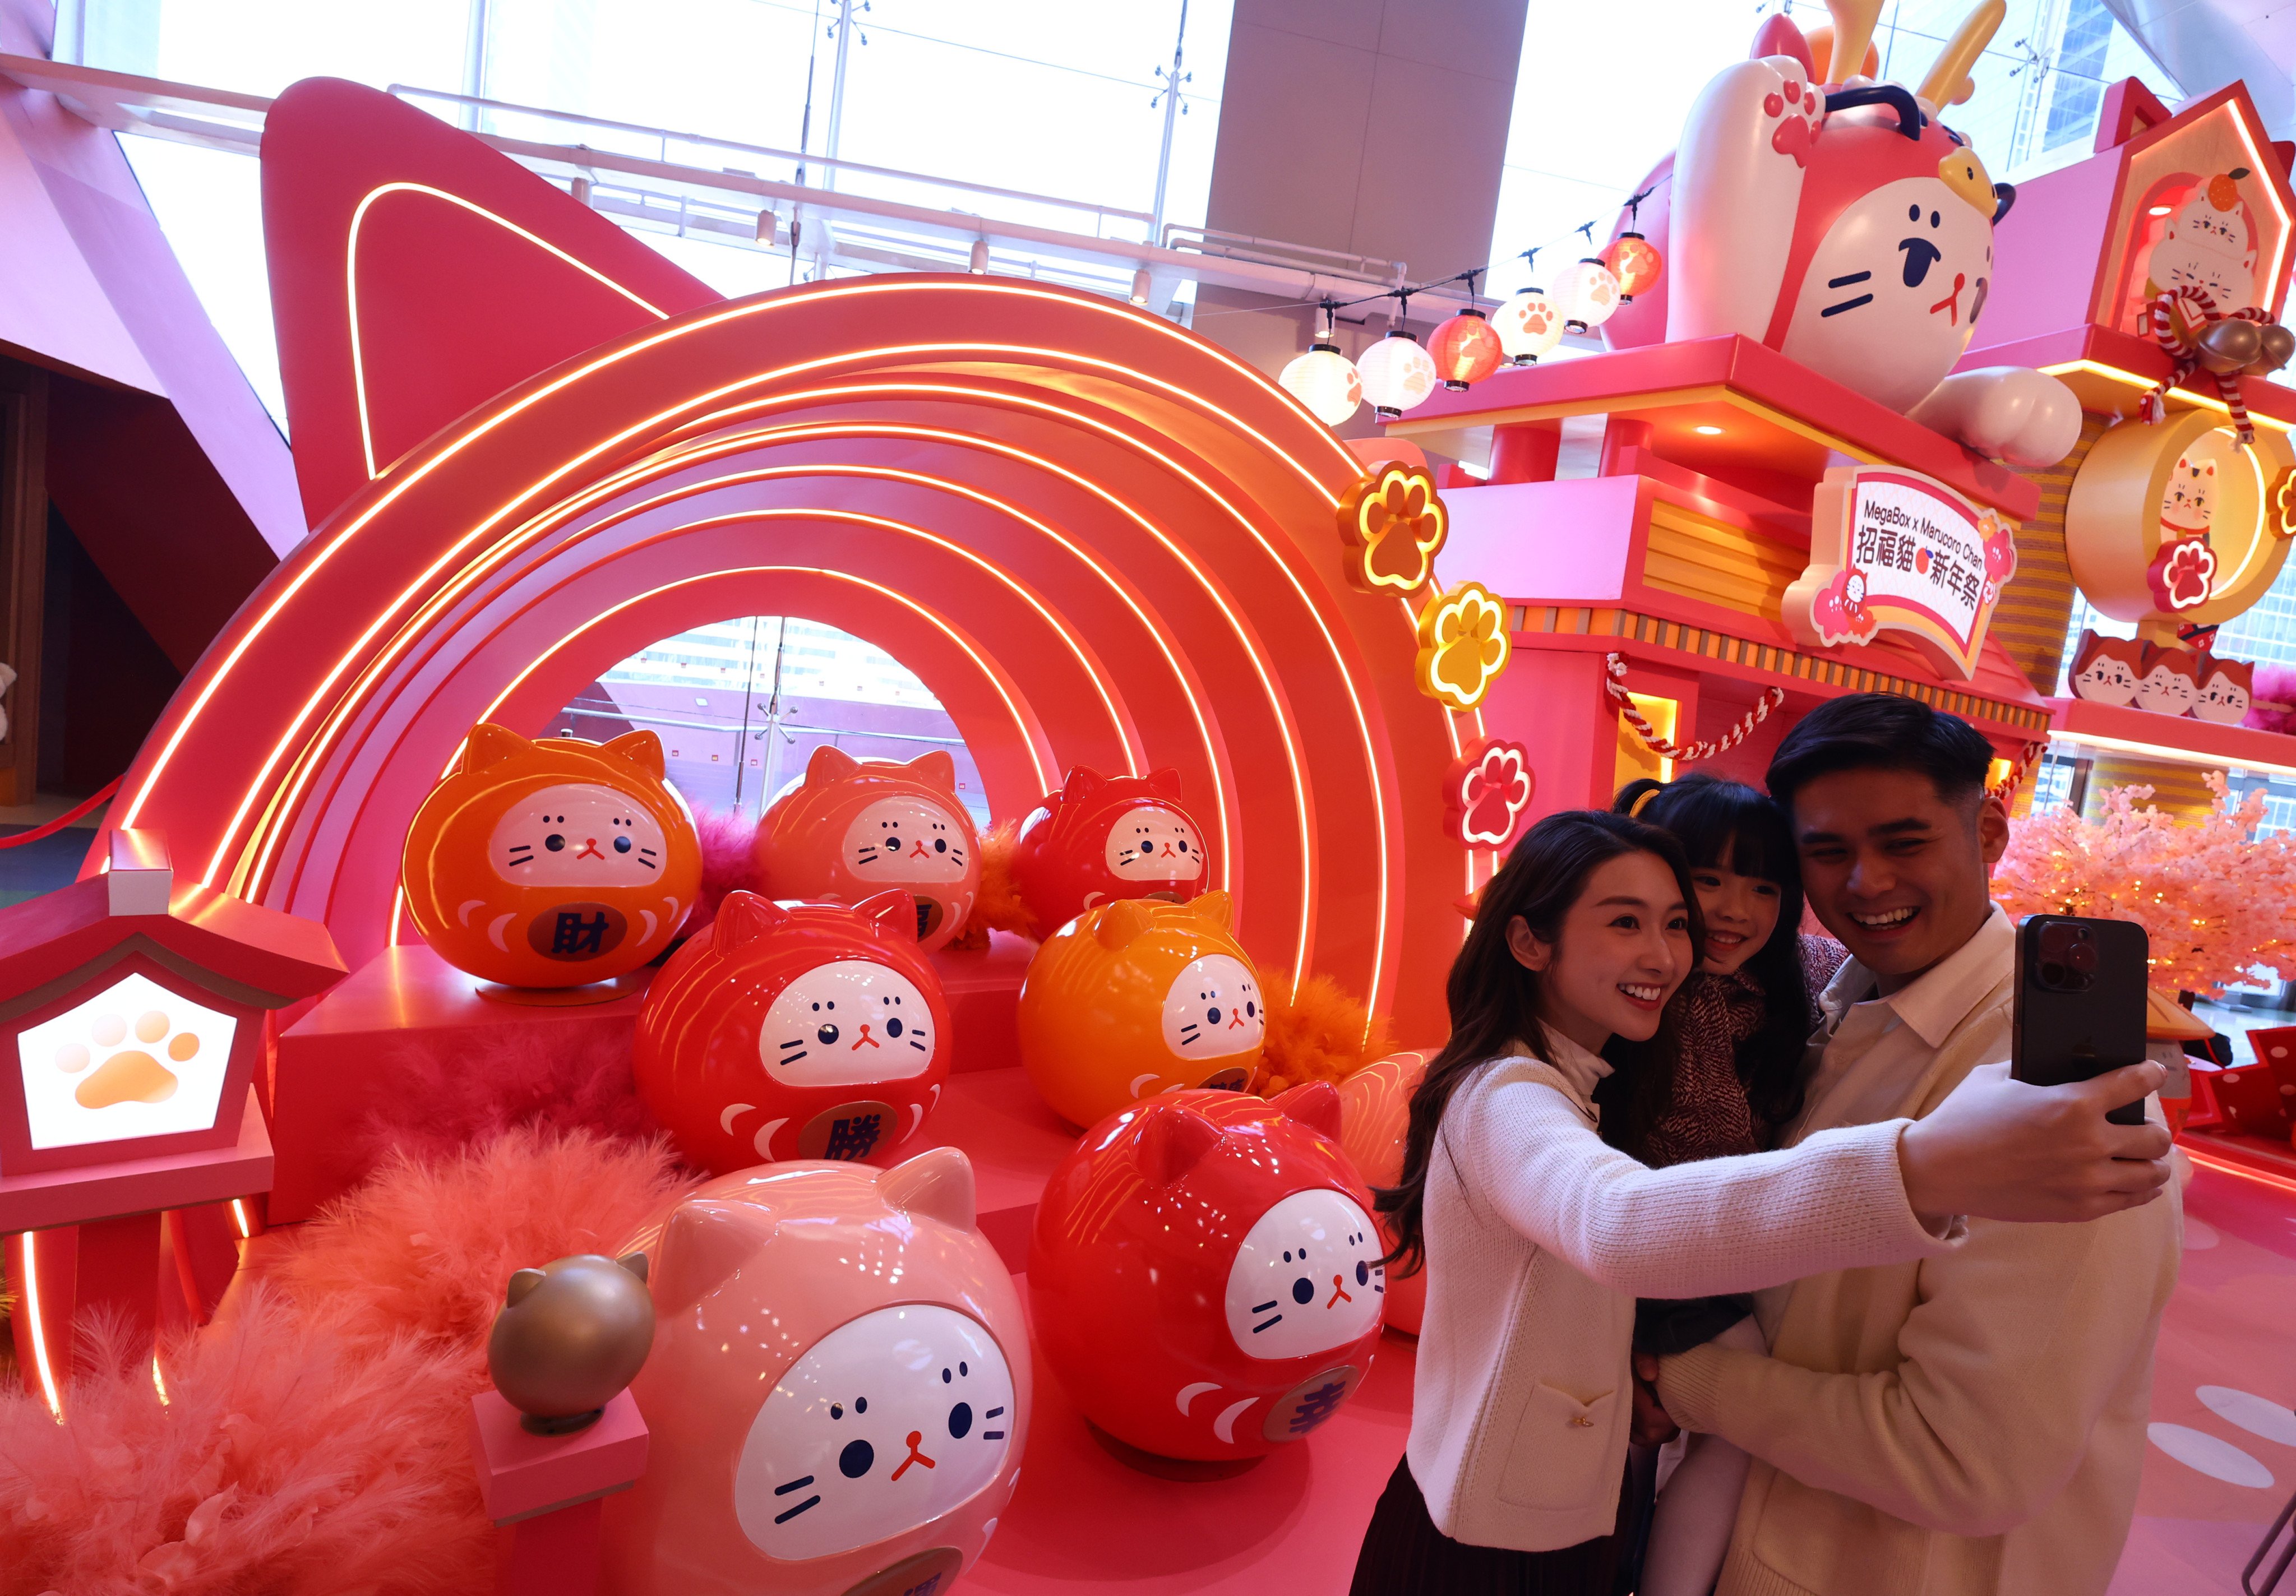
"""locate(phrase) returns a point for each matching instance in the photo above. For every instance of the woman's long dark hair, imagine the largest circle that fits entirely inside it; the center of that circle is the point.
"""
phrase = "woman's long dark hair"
(1722, 825)
(1494, 1000)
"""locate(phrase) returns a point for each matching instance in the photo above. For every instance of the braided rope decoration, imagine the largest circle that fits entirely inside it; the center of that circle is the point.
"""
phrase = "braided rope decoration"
(2007, 788)
(1614, 684)
(2184, 348)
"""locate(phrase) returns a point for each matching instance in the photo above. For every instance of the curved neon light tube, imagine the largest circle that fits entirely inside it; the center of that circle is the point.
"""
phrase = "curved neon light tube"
(35, 1320)
(421, 469)
(350, 286)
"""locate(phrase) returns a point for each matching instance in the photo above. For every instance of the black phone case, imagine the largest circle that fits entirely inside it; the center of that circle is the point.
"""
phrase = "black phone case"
(2060, 1037)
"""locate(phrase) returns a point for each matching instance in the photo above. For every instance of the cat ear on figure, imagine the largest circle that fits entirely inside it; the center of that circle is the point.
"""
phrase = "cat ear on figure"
(641, 748)
(1215, 906)
(1314, 1103)
(742, 917)
(1165, 783)
(522, 1286)
(1120, 922)
(1083, 780)
(892, 913)
(936, 769)
(704, 1245)
(829, 764)
(936, 1184)
(490, 744)
(635, 1263)
(1173, 1140)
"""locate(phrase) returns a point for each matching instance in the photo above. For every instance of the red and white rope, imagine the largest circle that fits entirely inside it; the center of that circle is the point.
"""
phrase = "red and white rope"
(2007, 788)
(2184, 349)
(1615, 684)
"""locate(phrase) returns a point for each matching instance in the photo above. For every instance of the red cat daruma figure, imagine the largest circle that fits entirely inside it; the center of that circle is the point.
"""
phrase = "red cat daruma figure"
(552, 863)
(794, 1031)
(853, 828)
(1204, 1277)
(1104, 838)
(839, 1388)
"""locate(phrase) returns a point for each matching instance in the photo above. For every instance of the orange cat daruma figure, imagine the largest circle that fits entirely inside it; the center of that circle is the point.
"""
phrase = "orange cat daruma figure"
(855, 828)
(1136, 997)
(552, 863)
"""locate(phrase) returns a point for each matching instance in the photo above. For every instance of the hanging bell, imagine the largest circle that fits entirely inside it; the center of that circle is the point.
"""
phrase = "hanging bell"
(2228, 346)
(2277, 345)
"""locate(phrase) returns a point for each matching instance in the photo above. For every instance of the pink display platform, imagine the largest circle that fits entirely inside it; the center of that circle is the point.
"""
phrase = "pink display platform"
(546, 1491)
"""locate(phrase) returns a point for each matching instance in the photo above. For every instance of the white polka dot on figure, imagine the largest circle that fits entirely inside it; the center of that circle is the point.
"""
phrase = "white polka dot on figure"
(2258, 1415)
(2218, 1460)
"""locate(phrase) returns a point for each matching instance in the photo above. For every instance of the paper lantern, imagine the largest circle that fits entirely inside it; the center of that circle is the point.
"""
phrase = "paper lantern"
(1397, 373)
(1325, 382)
(1587, 295)
(1528, 326)
(1464, 350)
(1634, 261)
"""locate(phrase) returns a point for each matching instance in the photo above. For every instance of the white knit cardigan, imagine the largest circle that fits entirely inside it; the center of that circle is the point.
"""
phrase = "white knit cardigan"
(1539, 1238)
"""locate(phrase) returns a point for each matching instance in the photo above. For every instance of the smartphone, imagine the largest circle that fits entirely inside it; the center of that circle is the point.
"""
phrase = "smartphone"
(2080, 1002)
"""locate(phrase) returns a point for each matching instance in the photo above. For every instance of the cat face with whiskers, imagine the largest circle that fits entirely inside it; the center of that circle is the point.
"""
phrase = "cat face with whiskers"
(1213, 1009)
(848, 1022)
(901, 839)
(888, 1422)
(1307, 1277)
(577, 834)
(1153, 843)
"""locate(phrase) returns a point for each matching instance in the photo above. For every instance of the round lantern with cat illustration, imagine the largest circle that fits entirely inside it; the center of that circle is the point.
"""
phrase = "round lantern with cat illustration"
(552, 863)
(838, 1392)
(1100, 838)
(794, 1031)
(1136, 997)
(1204, 1273)
(853, 828)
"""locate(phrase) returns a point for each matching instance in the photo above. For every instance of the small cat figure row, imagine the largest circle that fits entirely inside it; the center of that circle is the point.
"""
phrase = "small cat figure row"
(2129, 671)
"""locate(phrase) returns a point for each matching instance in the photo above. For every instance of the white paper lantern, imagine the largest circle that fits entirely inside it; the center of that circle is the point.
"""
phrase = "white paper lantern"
(1397, 373)
(1528, 326)
(1325, 382)
(1586, 294)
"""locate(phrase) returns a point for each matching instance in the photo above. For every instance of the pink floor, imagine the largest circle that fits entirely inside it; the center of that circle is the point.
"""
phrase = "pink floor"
(2224, 1457)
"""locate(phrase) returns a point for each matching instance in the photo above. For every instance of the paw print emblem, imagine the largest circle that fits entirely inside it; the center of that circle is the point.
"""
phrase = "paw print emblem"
(1395, 522)
(1462, 645)
(1797, 104)
(136, 1073)
(1489, 788)
(2183, 575)
(2280, 504)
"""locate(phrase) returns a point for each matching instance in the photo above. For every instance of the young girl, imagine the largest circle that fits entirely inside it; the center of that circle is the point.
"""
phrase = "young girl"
(1722, 1077)
(1538, 1236)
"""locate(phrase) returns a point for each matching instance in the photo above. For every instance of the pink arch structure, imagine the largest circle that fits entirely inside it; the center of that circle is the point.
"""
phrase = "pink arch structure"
(1099, 540)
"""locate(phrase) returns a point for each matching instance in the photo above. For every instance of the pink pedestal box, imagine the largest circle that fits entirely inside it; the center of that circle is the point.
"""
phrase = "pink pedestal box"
(547, 1489)
(340, 1062)
(983, 989)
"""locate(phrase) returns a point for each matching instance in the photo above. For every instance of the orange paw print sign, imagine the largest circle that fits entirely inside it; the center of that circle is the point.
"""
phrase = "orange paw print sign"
(552, 863)
(1135, 998)
(855, 828)
(1395, 523)
(1462, 645)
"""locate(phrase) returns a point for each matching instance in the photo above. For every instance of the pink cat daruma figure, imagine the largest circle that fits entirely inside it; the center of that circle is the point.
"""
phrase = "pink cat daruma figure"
(1204, 1274)
(838, 1391)
(853, 828)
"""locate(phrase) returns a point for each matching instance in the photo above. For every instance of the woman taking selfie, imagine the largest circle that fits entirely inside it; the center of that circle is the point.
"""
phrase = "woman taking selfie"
(1540, 1237)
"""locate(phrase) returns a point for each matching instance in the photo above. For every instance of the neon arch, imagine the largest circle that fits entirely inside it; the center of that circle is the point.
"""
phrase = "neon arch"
(1132, 531)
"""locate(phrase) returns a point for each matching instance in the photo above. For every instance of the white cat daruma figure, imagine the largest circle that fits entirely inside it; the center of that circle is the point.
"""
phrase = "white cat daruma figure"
(838, 1391)
(1847, 227)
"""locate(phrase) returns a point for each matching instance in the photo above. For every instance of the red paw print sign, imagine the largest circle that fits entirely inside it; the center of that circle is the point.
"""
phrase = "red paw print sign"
(2182, 575)
(1486, 792)
(1892, 550)
(1395, 523)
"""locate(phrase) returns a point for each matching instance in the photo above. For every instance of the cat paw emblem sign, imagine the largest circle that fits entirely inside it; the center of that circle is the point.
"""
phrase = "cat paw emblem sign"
(1486, 791)
(1462, 645)
(1394, 523)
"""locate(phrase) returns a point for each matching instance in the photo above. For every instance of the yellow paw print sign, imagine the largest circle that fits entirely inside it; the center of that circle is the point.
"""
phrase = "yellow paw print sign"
(135, 1060)
(1462, 645)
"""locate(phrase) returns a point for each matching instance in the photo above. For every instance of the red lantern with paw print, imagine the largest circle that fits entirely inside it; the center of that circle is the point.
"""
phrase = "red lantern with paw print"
(1634, 261)
(1204, 1275)
(1465, 350)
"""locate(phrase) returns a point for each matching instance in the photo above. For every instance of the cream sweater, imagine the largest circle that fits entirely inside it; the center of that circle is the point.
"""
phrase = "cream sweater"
(1966, 1424)
(1539, 1238)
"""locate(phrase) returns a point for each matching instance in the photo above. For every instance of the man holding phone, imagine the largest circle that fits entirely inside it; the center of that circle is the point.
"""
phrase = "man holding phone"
(1975, 1423)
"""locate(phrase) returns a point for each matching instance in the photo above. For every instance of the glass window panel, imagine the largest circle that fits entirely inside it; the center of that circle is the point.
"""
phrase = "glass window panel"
(260, 47)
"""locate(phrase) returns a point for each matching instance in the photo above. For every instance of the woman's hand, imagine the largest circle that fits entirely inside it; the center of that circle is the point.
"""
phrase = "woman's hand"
(1652, 1425)
(1998, 1149)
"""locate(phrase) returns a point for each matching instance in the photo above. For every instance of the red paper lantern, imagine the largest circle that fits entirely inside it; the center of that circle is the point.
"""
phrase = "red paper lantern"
(1466, 349)
(1634, 261)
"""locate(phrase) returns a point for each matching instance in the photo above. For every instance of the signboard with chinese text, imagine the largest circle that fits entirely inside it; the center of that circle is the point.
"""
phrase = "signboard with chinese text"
(1893, 551)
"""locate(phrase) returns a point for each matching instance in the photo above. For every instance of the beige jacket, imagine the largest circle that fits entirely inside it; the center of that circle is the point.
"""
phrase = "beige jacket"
(1539, 1238)
(1960, 1426)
